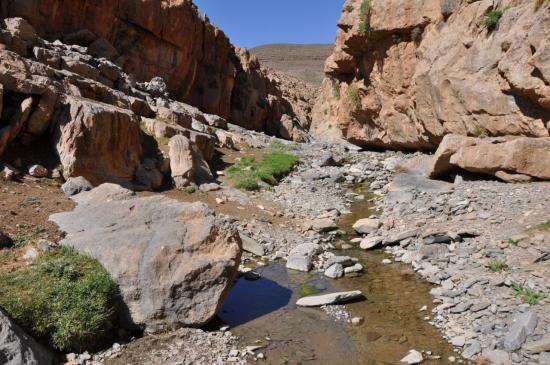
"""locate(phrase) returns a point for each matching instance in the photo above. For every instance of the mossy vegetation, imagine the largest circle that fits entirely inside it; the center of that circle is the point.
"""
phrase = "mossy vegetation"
(63, 299)
(498, 266)
(364, 17)
(492, 19)
(354, 98)
(249, 173)
(335, 86)
(527, 294)
(543, 226)
(307, 290)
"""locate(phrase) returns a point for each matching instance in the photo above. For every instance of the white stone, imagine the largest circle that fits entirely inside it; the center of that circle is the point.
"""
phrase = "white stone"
(414, 357)
(327, 299)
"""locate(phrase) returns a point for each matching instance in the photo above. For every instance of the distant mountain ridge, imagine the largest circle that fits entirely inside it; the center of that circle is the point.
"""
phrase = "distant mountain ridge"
(304, 61)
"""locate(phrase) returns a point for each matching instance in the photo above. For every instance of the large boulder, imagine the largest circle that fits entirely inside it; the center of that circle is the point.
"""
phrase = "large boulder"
(174, 261)
(17, 348)
(187, 163)
(526, 156)
(512, 160)
(97, 141)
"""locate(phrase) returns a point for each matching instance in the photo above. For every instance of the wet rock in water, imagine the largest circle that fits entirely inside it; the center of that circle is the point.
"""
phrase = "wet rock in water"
(366, 225)
(357, 268)
(76, 185)
(38, 171)
(16, 347)
(323, 225)
(5, 241)
(524, 325)
(413, 357)
(300, 258)
(335, 271)
(345, 261)
(250, 245)
(329, 299)
(369, 243)
(174, 261)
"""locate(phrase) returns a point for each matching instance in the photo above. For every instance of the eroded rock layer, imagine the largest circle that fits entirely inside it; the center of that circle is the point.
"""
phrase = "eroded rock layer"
(168, 39)
(405, 73)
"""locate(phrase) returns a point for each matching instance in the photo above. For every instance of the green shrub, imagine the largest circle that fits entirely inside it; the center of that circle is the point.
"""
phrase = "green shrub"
(513, 242)
(247, 173)
(543, 226)
(335, 85)
(190, 189)
(353, 96)
(364, 17)
(492, 18)
(63, 299)
(348, 8)
(527, 294)
(498, 266)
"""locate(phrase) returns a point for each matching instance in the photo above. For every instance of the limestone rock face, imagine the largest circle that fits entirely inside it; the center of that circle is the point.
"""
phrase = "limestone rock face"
(512, 160)
(170, 40)
(406, 73)
(174, 261)
(17, 348)
(97, 141)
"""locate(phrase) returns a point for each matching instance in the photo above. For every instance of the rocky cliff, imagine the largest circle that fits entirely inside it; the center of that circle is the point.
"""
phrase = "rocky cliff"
(169, 39)
(406, 73)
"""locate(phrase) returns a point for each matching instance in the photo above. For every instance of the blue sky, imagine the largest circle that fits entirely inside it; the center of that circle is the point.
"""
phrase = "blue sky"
(250, 23)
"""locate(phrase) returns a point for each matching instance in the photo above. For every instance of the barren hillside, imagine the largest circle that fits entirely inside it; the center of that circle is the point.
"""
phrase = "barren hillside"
(305, 61)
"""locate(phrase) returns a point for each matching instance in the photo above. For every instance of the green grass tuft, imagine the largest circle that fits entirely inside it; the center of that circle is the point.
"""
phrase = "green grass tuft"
(63, 299)
(364, 17)
(513, 242)
(353, 96)
(527, 294)
(492, 19)
(190, 189)
(498, 266)
(543, 226)
(247, 173)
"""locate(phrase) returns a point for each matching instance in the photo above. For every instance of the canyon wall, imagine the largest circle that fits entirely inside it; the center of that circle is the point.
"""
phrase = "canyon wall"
(404, 73)
(170, 39)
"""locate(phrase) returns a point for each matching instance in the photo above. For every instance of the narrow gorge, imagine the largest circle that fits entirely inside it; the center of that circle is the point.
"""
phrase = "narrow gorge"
(168, 197)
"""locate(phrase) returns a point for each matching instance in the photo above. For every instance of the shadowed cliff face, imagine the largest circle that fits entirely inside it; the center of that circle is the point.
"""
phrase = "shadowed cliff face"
(405, 73)
(168, 39)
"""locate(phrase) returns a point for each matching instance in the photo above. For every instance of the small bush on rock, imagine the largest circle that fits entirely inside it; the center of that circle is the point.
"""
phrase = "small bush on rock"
(353, 96)
(492, 18)
(364, 17)
(64, 299)
(527, 294)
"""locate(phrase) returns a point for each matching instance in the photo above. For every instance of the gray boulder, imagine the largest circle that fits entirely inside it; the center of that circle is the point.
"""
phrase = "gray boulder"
(75, 185)
(174, 262)
(18, 348)
(523, 326)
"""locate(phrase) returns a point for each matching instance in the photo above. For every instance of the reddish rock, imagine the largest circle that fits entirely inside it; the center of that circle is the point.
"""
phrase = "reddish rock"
(408, 73)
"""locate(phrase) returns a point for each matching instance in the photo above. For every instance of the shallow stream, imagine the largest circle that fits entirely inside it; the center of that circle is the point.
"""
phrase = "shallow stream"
(265, 310)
